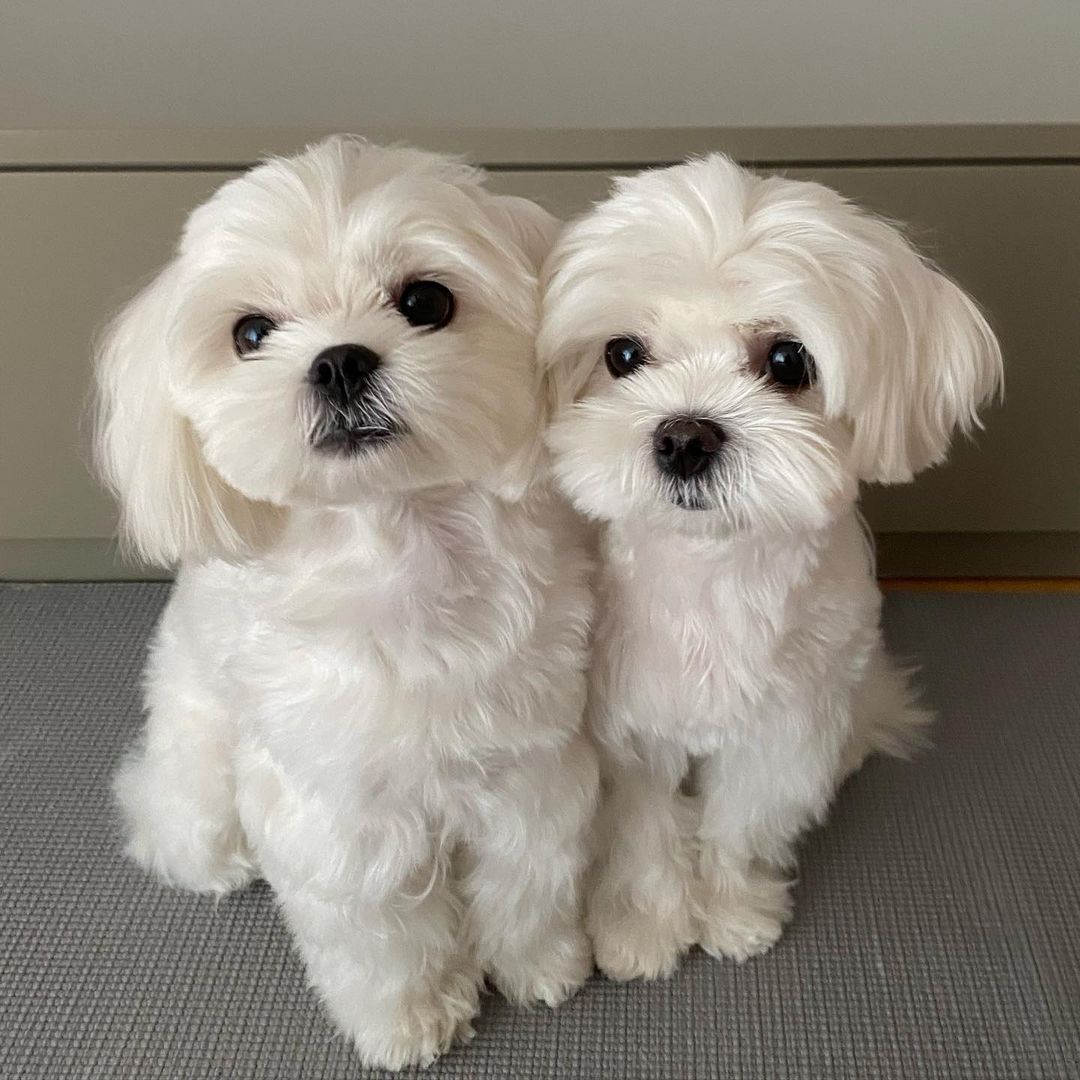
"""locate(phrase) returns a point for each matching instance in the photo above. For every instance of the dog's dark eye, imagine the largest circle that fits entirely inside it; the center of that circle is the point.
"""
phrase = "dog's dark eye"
(790, 365)
(623, 354)
(426, 303)
(250, 332)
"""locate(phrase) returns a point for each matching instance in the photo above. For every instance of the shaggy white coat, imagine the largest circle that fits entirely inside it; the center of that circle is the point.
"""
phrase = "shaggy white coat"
(739, 672)
(367, 686)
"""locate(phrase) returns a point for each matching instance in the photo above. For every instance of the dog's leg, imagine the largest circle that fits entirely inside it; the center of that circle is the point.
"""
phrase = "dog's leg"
(367, 898)
(176, 789)
(639, 912)
(757, 799)
(523, 860)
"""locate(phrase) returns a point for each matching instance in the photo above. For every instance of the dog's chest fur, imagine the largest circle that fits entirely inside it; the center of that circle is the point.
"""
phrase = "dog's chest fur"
(410, 635)
(702, 641)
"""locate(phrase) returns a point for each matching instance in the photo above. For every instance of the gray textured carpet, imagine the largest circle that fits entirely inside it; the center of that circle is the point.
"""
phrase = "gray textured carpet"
(937, 932)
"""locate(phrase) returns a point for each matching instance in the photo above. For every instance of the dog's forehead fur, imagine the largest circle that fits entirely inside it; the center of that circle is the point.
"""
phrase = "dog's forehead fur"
(301, 200)
(705, 228)
(347, 222)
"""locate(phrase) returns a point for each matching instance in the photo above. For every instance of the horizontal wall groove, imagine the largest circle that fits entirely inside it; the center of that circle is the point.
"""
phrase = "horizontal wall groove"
(574, 167)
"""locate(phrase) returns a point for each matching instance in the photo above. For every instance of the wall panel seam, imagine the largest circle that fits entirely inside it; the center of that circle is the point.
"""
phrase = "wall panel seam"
(846, 164)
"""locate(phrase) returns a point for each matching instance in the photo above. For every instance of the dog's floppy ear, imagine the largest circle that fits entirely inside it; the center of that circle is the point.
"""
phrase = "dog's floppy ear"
(531, 227)
(173, 505)
(931, 360)
(533, 230)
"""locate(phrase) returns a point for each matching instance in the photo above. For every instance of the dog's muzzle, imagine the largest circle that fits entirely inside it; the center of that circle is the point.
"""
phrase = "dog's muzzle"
(349, 413)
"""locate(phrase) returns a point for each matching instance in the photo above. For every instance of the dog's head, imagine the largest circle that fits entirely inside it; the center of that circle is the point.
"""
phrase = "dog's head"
(347, 323)
(735, 352)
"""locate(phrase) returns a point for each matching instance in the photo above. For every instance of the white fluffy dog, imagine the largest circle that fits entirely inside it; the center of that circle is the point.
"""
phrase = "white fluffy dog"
(368, 684)
(733, 354)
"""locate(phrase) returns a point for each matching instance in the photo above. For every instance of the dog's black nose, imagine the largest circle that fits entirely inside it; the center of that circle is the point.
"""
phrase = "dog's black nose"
(340, 371)
(685, 446)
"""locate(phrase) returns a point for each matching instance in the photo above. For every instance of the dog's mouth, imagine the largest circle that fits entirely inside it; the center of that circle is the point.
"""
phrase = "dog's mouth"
(689, 501)
(345, 441)
(353, 428)
(687, 495)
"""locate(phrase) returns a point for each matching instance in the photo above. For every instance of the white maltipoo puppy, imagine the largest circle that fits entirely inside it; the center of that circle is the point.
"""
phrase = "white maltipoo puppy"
(367, 685)
(732, 355)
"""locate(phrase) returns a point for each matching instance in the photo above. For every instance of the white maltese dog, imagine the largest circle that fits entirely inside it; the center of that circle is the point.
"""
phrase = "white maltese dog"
(368, 684)
(732, 354)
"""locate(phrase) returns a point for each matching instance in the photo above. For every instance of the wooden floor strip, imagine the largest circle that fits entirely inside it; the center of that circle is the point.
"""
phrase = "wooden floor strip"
(982, 585)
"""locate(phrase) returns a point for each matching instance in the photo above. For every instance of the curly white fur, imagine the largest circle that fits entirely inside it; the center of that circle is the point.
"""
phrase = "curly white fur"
(367, 685)
(739, 671)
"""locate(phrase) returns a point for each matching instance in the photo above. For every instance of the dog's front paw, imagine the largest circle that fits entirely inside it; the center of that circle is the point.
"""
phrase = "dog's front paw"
(637, 944)
(184, 844)
(421, 1026)
(746, 917)
(548, 975)
(215, 867)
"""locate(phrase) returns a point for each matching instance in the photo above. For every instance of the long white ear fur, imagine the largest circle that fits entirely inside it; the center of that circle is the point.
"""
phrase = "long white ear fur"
(934, 361)
(534, 231)
(532, 228)
(173, 505)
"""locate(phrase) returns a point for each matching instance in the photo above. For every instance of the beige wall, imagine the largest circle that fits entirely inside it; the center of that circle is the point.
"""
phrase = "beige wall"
(363, 63)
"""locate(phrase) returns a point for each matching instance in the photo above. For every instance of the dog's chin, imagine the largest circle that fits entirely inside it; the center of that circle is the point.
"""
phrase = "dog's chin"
(690, 511)
(667, 507)
(714, 511)
(696, 506)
